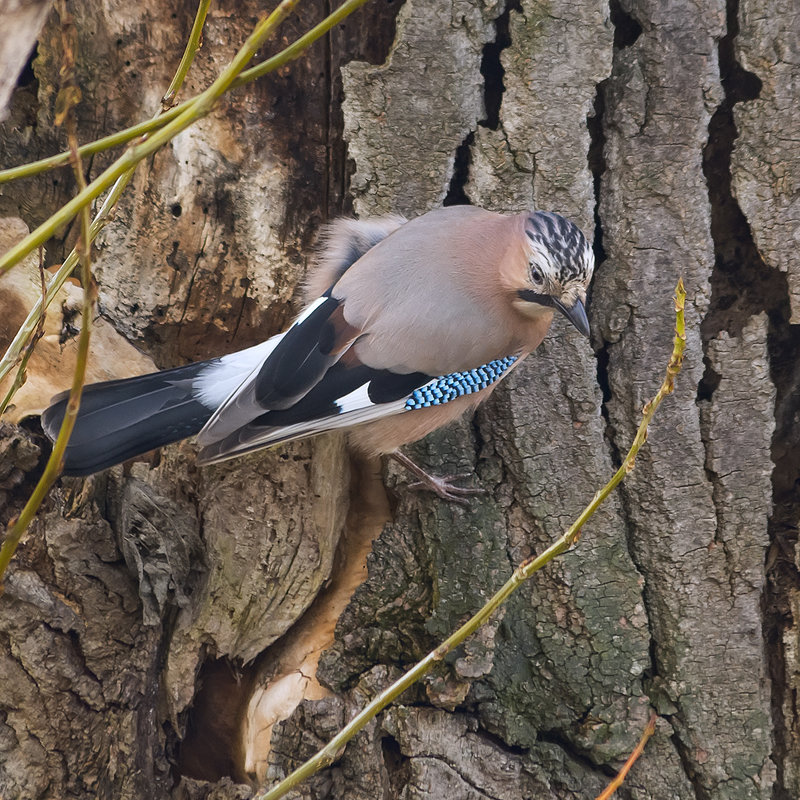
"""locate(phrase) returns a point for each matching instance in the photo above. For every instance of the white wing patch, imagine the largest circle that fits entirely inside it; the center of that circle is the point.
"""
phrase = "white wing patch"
(217, 382)
(357, 399)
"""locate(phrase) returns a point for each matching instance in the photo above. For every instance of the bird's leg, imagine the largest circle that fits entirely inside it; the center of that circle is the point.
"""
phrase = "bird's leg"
(442, 486)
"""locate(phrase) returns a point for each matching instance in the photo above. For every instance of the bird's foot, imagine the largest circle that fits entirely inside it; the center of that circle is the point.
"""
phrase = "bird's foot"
(441, 486)
(444, 488)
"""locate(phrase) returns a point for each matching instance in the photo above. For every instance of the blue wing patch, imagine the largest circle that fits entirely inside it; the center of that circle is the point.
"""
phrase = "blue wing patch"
(445, 388)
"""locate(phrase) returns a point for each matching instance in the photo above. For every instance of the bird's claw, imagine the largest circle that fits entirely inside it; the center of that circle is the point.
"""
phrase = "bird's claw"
(444, 487)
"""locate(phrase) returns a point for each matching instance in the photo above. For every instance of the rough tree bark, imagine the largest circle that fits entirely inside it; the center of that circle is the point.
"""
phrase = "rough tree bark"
(151, 608)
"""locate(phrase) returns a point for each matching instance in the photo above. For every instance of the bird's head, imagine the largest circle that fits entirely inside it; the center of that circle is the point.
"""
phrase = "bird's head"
(560, 266)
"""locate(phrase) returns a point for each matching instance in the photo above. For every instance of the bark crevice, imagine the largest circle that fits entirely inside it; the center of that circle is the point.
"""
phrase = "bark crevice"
(396, 764)
(687, 763)
(626, 27)
(597, 166)
(456, 192)
(741, 284)
(556, 737)
(492, 71)
(27, 78)
(492, 66)
(212, 748)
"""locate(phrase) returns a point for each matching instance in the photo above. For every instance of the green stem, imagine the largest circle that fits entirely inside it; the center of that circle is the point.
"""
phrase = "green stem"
(88, 234)
(189, 52)
(98, 146)
(30, 345)
(55, 462)
(296, 48)
(59, 278)
(271, 64)
(328, 754)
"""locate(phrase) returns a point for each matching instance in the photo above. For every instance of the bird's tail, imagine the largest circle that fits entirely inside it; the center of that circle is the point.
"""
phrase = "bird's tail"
(121, 419)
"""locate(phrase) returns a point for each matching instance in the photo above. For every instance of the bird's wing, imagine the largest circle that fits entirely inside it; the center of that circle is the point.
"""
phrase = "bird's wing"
(429, 293)
(349, 394)
(345, 395)
(290, 368)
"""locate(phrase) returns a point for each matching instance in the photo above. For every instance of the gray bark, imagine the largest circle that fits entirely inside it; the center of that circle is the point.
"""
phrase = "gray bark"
(151, 607)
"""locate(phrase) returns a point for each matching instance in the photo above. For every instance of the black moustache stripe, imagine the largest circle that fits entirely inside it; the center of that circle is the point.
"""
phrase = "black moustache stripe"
(535, 297)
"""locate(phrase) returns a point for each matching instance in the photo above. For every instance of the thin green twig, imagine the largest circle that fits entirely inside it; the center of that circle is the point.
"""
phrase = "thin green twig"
(189, 52)
(129, 134)
(117, 176)
(328, 754)
(296, 48)
(16, 347)
(54, 464)
(82, 252)
(22, 337)
(100, 145)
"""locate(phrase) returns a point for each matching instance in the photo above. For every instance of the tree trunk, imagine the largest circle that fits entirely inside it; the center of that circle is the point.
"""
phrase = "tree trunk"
(161, 622)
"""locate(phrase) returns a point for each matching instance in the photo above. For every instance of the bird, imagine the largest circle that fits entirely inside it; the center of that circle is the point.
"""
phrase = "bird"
(407, 325)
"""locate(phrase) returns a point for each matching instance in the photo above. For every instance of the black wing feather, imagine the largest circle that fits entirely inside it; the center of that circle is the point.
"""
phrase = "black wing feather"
(339, 381)
(298, 362)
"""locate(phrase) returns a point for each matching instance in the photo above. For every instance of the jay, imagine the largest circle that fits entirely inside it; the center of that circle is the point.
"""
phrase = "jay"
(408, 325)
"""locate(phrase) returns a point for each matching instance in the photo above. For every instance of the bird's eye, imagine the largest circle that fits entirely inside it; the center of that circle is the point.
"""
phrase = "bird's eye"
(536, 276)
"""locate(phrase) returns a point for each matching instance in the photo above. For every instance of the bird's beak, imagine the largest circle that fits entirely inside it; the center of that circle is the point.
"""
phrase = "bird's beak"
(576, 314)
